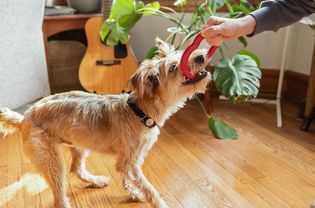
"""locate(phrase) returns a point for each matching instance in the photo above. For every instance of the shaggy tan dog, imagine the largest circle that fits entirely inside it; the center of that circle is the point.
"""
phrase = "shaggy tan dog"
(108, 124)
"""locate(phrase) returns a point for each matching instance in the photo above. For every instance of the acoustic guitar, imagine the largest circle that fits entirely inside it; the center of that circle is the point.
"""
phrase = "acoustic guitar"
(105, 69)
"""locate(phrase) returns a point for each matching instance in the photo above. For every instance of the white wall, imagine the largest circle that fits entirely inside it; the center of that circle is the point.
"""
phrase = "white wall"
(23, 73)
(268, 46)
(300, 49)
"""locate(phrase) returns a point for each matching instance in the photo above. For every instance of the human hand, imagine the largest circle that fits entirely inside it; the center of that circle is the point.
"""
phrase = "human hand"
(219, 29)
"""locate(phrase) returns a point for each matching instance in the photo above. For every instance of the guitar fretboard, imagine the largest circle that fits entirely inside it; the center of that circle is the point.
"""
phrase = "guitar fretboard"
(106, 6)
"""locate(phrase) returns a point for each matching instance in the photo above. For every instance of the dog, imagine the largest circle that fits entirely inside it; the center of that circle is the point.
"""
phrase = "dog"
(124, 124)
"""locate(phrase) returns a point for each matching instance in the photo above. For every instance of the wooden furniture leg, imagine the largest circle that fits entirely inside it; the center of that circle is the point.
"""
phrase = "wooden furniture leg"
(207, 96)
(207, 100)
(310, 99)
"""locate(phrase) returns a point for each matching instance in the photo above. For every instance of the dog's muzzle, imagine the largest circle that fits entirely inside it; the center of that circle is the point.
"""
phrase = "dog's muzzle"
(200, 75)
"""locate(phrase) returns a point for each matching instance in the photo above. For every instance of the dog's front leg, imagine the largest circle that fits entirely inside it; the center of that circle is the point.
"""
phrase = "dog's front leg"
(147, 188)
(128, 183)
(123, 166)
(129, 165)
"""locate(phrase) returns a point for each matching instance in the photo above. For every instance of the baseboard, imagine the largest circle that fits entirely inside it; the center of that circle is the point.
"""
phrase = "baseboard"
(294, 84)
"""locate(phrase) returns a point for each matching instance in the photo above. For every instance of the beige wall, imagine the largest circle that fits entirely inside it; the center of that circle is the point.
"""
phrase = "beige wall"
(23, 73)
(268, 46)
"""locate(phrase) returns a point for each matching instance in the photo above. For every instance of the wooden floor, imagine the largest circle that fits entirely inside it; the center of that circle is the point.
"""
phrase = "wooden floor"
(265, 167)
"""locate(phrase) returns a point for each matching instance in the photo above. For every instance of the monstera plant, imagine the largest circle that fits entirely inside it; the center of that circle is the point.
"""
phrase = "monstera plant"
(237, 78)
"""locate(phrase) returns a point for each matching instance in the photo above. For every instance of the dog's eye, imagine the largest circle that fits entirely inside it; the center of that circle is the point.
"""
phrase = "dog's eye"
(172, 68)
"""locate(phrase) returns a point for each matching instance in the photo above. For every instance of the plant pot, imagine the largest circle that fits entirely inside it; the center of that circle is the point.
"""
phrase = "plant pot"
(85, 6)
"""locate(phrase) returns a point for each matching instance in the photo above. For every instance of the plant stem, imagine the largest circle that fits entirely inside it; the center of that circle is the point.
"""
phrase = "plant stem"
(180, 23)
(171, 10)
(221, 53)
(201, 17)
(203, 107)
(162, 14)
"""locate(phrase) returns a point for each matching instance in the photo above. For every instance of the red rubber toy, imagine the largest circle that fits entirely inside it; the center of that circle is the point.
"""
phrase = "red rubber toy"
(183, 65)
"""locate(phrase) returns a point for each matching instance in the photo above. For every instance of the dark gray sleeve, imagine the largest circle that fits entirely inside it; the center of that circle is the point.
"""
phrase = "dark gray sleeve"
(274, 14)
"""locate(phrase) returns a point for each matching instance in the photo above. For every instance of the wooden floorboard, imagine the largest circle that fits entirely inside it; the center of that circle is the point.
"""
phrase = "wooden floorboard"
(267, 167)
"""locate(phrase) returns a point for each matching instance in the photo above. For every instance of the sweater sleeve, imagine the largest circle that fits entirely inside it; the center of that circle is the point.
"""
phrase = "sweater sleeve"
(274, 14)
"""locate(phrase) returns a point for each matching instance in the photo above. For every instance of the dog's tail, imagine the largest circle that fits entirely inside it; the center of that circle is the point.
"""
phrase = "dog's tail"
(9, 121)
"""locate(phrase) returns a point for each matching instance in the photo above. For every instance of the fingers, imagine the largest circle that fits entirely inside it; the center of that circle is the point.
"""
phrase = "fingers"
(217, 41)
(213, 31)
(213, 21)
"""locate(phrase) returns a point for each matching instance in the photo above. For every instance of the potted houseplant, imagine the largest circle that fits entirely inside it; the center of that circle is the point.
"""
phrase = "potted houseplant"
(236, 78)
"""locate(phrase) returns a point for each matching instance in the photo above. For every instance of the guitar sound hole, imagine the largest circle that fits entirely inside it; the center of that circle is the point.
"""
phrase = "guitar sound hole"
(120, 50)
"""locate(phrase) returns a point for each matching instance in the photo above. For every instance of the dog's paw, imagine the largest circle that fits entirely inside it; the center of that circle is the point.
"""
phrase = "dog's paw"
(138, 196)
(100, 181)
(65, 203)
(161, 204)
(135, 193)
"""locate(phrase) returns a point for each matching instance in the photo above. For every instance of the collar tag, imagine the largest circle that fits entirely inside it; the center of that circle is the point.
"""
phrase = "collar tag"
(144, 118)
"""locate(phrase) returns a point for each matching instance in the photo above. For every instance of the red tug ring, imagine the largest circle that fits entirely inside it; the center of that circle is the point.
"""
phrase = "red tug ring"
(183, 65)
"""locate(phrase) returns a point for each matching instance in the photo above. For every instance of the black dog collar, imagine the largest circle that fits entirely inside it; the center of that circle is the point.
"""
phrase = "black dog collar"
(144, 118)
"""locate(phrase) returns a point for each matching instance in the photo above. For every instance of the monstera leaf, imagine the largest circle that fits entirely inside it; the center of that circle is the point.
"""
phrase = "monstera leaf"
(237, 78)
(220, 129)
(123, 16)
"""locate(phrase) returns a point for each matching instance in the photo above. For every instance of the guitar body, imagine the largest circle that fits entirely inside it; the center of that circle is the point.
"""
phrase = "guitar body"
(100, 72)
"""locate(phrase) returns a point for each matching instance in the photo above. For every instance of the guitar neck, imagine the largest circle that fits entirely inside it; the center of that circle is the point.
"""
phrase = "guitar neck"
(106, 6)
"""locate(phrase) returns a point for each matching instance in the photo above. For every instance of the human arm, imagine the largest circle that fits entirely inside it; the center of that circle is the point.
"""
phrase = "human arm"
(270, 16)
(273, 14)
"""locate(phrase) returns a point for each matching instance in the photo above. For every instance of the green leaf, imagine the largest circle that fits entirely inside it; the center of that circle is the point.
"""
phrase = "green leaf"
(217, 4)
(246, 6)
(243, 40)
(180, 3)
(251, 54)
(112, 33)
(174, 30)
(123, 16)
(308, 21)
(121, 8)
(150, 8)
(236, 8)
(128, 21)
(237, 15)
(238, 99)
(237, 77)
(106, 27)
(151, 52)
(221, 130)
(229, 7)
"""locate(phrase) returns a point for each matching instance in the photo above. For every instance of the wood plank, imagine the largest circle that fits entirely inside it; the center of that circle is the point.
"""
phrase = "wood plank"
(282, 175)
(33, 185)
(4, 196)
(266, 167)
(14, 172)
(202, 175)
(235, 176)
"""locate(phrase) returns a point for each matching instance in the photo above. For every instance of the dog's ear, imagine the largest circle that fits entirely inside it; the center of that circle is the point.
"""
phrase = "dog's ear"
(145, 81)
(135, 83)
(163, 47)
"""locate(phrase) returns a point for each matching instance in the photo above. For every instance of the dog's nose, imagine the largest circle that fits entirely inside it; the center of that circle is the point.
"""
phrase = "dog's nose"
(199, 59)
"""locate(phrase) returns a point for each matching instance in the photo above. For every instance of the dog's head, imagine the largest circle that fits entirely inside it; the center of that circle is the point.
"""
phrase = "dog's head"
(162, 78)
